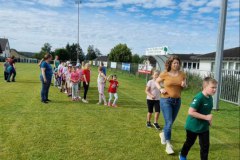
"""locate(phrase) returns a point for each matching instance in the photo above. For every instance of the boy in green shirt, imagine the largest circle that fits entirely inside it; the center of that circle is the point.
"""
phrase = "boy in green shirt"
(199, 119)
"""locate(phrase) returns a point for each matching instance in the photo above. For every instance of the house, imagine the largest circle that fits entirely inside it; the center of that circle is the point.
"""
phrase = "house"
(231, 60)
(4, 47)
(189, 61)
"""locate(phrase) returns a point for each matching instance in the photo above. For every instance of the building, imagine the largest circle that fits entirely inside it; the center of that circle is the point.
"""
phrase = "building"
(4, 47)
(189, 61)
(231, 60)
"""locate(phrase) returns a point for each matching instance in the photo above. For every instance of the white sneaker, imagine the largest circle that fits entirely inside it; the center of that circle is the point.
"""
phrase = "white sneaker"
(84, 101)
(169, 148)
(162, 137)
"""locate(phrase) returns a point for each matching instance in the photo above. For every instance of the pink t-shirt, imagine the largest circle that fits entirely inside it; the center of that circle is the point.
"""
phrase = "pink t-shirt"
(153, 90)
(79, 71)
(75, 77)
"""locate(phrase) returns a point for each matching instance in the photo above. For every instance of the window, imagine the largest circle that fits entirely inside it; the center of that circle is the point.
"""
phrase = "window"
(194, 65)
(197, 65)
(184, 65)
(237, 66)
(224, 65)
(212, 66)
(189, 65)
(231, 65)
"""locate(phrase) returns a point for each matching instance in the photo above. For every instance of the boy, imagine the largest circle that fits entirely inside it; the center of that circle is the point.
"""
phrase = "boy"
(199, 119)
(153, 100)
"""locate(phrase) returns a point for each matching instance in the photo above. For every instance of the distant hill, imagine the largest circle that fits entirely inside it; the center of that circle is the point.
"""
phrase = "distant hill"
(27, 54)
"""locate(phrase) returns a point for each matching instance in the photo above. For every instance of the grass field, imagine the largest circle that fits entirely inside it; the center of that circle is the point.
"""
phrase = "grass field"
(66, 130)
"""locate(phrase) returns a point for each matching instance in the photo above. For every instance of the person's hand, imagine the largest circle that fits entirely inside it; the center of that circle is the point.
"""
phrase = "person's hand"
(209, 118)
(86, 83)
(45, 80)
(163, 91)
(153, 97)
(183, 84)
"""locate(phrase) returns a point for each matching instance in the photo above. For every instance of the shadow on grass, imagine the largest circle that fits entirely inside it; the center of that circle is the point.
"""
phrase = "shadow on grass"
(28, 81)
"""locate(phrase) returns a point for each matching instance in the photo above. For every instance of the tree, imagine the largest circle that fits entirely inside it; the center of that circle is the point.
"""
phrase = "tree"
(72, 51)
(135, 58)
(120, 53)
(45, 49)
(98, 52)
(91, 55)
(62, 53)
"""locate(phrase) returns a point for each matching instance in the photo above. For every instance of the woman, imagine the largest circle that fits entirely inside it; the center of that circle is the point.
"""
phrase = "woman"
(56, 62)
(46, 77)
(86, 81)
(173, 81)
(11, 69)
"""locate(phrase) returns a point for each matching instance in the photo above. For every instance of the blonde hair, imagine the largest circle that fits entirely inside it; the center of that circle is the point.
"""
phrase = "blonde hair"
(208, 80)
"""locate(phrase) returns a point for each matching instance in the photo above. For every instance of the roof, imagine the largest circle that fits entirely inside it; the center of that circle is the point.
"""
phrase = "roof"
(101, 58)
(187, 57)
(3, 43)
(228, 54)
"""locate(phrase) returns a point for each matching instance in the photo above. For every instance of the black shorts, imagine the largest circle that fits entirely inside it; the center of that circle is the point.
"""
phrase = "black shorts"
(151, 104)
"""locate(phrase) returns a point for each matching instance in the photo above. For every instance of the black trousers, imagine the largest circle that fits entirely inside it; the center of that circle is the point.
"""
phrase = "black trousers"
(5, 75)
(203, 142)
(85, 86)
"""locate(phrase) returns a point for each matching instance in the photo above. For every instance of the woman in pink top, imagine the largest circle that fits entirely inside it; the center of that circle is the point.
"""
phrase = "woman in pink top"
(75, 78)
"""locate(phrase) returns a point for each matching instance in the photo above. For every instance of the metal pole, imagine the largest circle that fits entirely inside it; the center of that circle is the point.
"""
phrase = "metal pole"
(219, 53)
(78, 49)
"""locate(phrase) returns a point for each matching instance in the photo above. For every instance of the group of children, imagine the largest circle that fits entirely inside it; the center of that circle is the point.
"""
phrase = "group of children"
(69, 78)
(199, 115)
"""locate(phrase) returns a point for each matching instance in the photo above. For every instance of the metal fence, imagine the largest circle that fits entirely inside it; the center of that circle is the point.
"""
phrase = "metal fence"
(230, 87)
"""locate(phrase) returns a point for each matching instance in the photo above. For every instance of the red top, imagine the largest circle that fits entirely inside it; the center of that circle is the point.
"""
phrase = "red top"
(86, 72)
(113, 86)
(11, 61)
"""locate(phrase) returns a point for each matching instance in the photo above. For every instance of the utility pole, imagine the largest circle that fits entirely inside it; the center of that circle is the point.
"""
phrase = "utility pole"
(219, 53)
(78, 2)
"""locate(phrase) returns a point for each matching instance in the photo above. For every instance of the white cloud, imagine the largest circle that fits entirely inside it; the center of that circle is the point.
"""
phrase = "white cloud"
(205, 10)
(214, 3)
(233, 14)
(53, 3)
(163, 12)
(133, 9)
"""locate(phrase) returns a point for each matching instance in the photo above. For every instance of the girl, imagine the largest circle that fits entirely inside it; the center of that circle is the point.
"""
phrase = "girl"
(153, 100)
(86, 81)
(101, 85)
(112, 90)
(173, 81)
(79, 70)
(75, 78)
(68, 80)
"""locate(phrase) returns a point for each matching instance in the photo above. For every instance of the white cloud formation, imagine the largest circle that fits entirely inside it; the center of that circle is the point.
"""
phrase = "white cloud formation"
(163, 12)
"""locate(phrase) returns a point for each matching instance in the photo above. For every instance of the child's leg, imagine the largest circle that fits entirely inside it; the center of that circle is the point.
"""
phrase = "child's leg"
(116, 98)
(110, 98)
(157, 110)
(73, 90)
(191, 138)
(77, 95)
(85, 89)
(102, 93)
(150, 110)
(204, 145)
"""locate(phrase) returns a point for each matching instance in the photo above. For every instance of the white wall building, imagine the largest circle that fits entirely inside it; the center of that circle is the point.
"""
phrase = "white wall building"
(4, 47)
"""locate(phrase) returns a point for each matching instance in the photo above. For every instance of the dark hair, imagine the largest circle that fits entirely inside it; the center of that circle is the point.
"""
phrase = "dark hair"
(12, 57)
(47, 56)
(168, 63)
(114, 75)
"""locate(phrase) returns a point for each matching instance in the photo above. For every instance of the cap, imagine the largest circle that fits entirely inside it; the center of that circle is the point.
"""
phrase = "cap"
(78, 64)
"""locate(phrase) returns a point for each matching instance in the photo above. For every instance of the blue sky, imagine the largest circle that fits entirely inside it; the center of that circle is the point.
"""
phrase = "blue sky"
(186, 26)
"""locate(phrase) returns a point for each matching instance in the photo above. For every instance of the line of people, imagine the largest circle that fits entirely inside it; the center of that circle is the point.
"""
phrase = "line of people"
(69, 78)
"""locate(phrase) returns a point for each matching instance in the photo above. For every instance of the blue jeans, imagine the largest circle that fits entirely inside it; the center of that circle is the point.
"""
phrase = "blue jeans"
(170, 108)
(45, 88)
(12, 71)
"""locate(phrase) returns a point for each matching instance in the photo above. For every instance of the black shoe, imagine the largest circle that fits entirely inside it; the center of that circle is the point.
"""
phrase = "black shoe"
(13, 81)
(44, 102)
(48, 100)
(8, 81)
(149, 125)
(156, 125)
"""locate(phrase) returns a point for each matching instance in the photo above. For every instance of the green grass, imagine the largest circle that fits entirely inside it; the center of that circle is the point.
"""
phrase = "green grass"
(65, 130)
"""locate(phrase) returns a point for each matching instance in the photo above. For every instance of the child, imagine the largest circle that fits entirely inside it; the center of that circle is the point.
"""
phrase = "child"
(68, 80)
(112, 90)
(101, 85)
(6, 65)
(199, 119)
(56, 77)
(79, 70)
(86, 81)
(153, 100)
(75, 78)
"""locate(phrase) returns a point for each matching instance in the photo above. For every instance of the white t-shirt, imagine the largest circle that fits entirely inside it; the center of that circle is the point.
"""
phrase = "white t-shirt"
(153, 90)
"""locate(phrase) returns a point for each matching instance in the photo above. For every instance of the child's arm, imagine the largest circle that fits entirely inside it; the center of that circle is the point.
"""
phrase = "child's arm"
(103, 75)
(193, 112)
(158, 81)
(108, 78)
(147, 91)
(85, 79)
